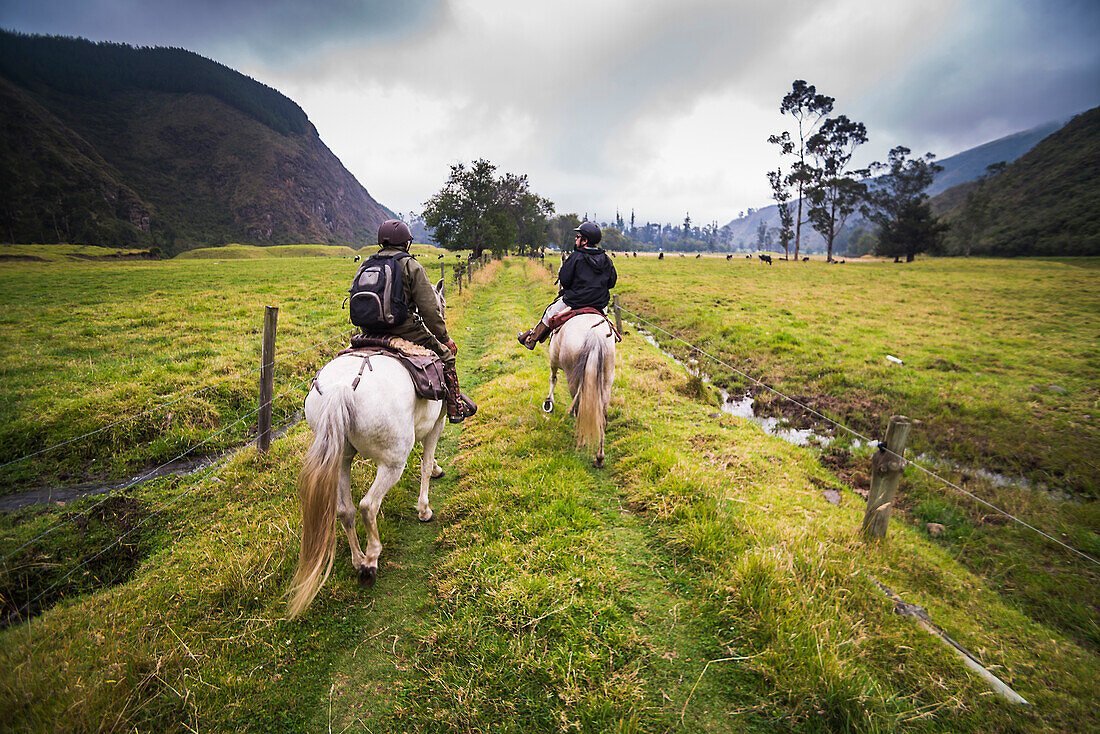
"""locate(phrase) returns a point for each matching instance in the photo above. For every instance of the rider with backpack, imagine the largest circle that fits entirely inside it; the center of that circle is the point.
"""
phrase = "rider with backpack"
(391, 296)
(586, 279)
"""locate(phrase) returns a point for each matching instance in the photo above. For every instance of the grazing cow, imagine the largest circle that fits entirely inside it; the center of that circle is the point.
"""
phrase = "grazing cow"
(805, 259)
(635, 254)
(748, 257)
(660, 256)
(766, 258)
(729, 257)
(357, 258)
(439, 256)
(698, 255)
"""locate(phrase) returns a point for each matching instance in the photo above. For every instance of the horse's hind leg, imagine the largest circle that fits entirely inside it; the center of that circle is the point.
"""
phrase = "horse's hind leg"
(385, 479)
(345, 510)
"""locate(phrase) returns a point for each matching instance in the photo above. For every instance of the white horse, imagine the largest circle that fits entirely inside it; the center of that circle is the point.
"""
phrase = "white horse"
(585, 349)
(381, 418)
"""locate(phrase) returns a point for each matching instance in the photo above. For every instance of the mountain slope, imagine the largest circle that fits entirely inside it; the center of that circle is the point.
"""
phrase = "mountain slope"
(1045, 203)
(108, 144)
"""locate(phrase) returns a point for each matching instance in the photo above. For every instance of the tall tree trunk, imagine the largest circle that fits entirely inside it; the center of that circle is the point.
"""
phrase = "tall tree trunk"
(798, 225)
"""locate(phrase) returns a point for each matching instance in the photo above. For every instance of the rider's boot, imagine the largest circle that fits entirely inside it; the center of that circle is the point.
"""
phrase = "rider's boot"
(459, 407)
(531, 337)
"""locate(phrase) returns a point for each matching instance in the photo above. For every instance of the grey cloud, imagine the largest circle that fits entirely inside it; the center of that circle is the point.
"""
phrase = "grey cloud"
(1022, 65)
(276, 31)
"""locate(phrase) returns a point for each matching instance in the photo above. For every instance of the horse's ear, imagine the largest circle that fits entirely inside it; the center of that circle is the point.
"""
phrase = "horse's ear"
(440, 286)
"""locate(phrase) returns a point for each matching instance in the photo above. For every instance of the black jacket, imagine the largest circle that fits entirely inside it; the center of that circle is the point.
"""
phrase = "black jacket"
(586, 277)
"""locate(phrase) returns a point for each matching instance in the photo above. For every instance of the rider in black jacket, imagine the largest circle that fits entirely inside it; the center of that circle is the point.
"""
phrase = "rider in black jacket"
(586, 279)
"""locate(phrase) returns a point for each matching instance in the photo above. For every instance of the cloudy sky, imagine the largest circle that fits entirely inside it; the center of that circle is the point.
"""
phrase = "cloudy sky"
(663, 107)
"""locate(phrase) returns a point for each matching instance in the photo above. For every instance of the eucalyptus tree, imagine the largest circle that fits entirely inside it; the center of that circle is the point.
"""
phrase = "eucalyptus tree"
(808, 108)
(834, 190)
(897, 202)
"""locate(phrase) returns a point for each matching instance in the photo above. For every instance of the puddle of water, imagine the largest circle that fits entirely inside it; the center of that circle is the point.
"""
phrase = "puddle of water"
(744, 407)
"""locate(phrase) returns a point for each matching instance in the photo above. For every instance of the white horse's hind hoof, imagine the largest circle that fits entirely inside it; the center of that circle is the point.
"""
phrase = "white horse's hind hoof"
(598, 463)
(547, 406)
(426, 516)
(437, 472)
(368, 575)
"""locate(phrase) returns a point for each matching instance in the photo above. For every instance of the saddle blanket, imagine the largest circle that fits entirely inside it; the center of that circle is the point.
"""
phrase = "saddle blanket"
(424, 366)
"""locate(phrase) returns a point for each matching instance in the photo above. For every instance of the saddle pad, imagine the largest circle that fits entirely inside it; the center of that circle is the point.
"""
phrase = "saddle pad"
(558, 321)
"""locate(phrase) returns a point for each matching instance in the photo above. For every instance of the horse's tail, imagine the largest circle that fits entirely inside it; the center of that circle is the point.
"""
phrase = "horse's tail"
(317, 486)
(589, 402)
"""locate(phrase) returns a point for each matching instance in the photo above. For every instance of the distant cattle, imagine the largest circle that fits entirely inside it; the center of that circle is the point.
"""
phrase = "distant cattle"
(357, 258)
(729, 257)
(635, 254)
(765, 258)
(805, 259)
(660, 256)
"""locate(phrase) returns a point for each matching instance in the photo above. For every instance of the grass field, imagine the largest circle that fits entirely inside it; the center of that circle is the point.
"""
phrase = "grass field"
(88, 345)
(1000, 356)
(700, 583)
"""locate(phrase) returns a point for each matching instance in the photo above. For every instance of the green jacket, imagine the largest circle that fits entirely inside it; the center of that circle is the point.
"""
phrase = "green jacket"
(419, 293)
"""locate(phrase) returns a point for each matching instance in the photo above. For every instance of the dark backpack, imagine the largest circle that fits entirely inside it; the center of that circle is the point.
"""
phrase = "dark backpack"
(377, 295)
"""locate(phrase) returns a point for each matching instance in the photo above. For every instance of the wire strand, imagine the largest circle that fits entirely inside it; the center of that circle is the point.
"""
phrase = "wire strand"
(862, 437)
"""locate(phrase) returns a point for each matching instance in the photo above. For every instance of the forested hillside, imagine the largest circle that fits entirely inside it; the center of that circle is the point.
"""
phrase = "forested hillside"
(1045, 203)
(108, 144)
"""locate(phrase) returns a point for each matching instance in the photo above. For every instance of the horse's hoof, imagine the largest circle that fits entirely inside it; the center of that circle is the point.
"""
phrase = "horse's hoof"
(368, 575)
(547, 406)
(598, 463)
(438, 474)
(429, 518)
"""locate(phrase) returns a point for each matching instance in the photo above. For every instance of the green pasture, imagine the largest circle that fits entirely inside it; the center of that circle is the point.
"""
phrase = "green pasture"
(66, 253)
(701, 582)
(253, 252)
(95, 346)
(1001, 357)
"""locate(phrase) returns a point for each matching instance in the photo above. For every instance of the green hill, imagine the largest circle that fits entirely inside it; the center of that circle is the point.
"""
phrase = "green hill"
(108, 144)
(1045, 203)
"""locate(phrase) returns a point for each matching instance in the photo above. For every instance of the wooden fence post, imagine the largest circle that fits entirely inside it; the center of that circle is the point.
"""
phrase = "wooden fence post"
(267, 379)
(458, 277)
(618, 313)
(887, 466)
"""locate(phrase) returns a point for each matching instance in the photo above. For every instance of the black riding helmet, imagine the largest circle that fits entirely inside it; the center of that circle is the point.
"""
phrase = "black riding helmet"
(394, 232)
(591, 233)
